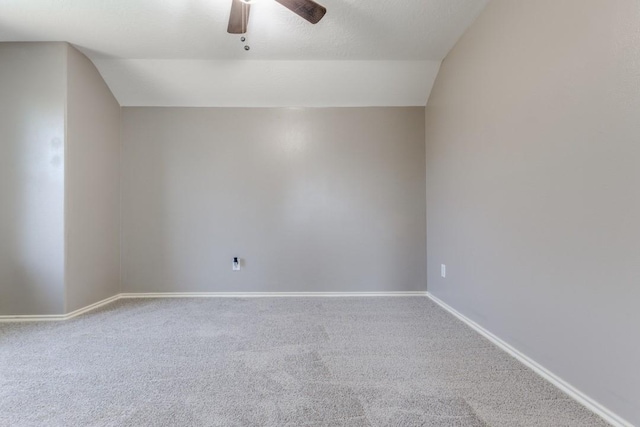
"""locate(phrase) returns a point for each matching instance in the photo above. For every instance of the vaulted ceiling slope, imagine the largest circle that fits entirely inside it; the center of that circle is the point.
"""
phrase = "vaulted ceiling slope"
(178, 53)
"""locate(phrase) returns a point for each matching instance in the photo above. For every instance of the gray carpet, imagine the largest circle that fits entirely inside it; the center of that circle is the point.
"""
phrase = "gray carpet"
(371, 361)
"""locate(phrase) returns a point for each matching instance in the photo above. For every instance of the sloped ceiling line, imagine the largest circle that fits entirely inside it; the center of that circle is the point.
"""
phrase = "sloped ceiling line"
(178, 53)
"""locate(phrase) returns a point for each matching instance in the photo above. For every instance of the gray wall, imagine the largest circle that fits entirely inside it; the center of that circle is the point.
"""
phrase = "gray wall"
(59, 181)
(311, 199)
(533, 180)
(32, 116)
(92, 191)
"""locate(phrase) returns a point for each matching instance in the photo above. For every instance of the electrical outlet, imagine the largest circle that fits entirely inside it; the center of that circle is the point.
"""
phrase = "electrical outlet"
(443, 270)
(236, 264)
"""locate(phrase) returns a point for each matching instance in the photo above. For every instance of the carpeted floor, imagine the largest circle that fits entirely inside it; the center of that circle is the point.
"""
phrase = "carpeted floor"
(371, 361)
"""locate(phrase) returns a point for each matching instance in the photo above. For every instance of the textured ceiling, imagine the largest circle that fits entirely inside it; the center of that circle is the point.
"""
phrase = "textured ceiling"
(356, 36)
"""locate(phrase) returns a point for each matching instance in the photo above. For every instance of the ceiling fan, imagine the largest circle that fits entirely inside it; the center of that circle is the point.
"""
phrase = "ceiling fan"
(239, 17)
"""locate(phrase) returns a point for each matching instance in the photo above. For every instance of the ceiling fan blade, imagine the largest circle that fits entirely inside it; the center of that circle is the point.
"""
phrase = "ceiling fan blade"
(308, 9)
(239, 17)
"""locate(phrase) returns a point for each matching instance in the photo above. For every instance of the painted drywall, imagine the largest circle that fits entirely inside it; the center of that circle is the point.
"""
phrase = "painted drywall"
(178, 53)
(532, 187)
(197, 29)
(310, 199)
(197, 83)
(32, 115)
(92, 186)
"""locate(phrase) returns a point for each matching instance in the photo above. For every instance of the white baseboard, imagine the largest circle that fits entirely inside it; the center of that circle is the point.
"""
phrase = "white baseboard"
(567, 388)
(268, 294)
(56, 317)
(606, 414)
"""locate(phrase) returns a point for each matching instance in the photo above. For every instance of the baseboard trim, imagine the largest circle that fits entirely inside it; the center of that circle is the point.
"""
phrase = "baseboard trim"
(567, 388)
(595, 407)
(128, 295)
(57, 317)
(268, 294)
